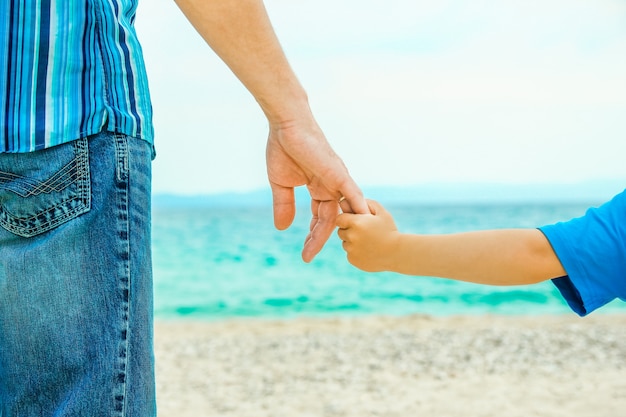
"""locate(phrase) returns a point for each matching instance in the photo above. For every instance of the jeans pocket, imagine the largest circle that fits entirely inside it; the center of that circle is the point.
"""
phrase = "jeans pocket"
(44, 189)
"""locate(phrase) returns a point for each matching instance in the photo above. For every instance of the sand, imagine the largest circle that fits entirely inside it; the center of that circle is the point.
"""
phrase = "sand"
(394, 366)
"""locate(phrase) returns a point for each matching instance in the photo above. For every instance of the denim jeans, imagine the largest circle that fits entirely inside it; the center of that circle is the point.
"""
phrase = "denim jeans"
(76, 280)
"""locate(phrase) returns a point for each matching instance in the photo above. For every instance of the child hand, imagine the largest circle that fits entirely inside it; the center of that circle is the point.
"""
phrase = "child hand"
(370, 240)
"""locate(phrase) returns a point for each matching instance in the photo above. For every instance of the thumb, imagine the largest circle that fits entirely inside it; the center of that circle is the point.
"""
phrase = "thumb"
(345, 220)
(375, 207)
(284, 204)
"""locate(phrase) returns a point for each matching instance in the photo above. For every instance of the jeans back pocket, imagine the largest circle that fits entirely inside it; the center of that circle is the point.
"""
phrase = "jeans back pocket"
(44, 189)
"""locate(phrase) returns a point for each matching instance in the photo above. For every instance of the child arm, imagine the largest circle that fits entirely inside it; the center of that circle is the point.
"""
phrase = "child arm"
(495, 257)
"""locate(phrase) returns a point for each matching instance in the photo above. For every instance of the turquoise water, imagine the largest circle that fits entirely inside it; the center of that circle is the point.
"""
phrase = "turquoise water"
(215, 263)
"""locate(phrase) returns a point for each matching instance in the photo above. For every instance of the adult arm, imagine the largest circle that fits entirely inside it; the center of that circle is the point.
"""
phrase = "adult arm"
(495, 257)
(240, 32)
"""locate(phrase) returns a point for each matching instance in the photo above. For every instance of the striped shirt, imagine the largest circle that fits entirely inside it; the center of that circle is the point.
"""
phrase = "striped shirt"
(70, 69)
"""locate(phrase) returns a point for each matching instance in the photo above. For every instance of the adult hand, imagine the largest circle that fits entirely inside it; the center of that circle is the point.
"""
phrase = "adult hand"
(240, 32)
(298, 154)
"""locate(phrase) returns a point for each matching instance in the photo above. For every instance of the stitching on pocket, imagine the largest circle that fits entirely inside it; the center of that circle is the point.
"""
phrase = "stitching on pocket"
(75, 172)
(26, 187)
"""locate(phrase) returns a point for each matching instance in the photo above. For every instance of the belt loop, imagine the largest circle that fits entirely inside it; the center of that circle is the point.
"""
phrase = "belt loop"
(121, 153)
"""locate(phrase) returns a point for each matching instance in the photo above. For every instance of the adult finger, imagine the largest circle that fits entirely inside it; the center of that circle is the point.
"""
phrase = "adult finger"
(353, 200)
(284, 204)
(322, 226)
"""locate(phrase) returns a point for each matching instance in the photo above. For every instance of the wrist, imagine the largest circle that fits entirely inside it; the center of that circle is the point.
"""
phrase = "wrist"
(394, 257)
(404, 254)
(286, 109)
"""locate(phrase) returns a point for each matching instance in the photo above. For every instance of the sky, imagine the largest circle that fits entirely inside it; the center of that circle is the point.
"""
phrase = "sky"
(407, 92)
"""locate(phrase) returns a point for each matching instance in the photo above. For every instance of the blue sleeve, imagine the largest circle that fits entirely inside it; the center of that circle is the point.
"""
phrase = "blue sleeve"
(592, 250)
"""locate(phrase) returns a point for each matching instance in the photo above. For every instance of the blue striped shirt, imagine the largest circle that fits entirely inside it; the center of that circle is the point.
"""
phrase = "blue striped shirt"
(70, 69)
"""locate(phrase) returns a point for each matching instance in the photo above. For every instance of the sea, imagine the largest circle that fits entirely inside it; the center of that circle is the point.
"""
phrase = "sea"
(216, 262)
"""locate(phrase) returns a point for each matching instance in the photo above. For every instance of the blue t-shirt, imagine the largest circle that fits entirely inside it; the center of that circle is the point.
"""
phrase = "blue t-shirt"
(592, 250)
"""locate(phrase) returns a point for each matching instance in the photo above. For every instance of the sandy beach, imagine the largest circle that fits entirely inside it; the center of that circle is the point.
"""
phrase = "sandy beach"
(393, 366)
